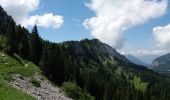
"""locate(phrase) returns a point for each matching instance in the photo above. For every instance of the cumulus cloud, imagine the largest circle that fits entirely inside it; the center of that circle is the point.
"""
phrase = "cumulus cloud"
(162, 36)
(20, 10)
(46, 20)
(113, 17)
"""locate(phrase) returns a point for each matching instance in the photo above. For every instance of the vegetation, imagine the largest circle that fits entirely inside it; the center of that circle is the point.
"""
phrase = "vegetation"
(9, 93)
(139, 84)
(8, 66)
(75, 92)
(3, 42)
(35, 83)
(35, 46)
(85, 70)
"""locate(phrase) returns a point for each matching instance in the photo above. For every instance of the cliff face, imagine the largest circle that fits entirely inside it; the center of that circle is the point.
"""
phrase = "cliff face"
(93, 48)
(162, 64)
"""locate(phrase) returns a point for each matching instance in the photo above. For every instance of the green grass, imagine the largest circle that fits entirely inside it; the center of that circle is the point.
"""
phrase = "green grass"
(16, 65)
(3, 41)
(9, 93)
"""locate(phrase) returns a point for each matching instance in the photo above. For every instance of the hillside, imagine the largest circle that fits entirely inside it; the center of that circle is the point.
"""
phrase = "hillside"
(9, 66)
(85, 70)
(21, 80)
(162, 64)
(101, 70)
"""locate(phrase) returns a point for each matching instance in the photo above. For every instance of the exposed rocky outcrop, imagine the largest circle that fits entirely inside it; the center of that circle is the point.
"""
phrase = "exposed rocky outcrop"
(161, 63)
(46, 91)
(93, 48)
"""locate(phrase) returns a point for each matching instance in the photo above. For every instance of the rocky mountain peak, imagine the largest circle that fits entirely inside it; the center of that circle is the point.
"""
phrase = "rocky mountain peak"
(162, 63)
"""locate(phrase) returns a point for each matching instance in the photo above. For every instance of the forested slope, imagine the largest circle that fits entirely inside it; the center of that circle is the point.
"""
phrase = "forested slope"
(87, 69)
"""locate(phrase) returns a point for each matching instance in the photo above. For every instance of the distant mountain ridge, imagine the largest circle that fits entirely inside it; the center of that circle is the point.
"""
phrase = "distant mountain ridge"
(94, 65)
(135, 60)
(94, 47)
(95, 70)
(162, 64)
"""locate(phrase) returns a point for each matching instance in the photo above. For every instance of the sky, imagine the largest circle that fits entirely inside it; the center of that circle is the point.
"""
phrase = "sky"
(137, 27)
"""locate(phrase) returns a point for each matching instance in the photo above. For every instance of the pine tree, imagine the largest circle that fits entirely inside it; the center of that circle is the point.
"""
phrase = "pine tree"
(35, 45)
(23, 47)
(11, 35)
(1, 27)
(56, 65)
(44, 62)
(19, 33)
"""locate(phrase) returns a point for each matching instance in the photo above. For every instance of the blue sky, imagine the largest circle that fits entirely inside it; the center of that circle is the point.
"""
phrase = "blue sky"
(137, 27)
(74, 14)
(139, 36)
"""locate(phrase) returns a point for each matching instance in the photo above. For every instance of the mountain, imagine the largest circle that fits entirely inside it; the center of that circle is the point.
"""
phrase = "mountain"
(135, 60)
(84, 70)
(4, 20)
(162, 64)
(20, 79)
(100, 69)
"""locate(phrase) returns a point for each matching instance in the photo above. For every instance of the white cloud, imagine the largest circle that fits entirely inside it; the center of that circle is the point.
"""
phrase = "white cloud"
(113, 17)
(155, 52)
(46, 20)
(162, 36)
(20, 10)
(144, 52)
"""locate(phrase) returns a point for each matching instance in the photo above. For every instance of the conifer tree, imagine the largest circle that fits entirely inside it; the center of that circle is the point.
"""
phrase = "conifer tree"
(35, 45)
(11, 35)
(44, 62)
(23, 47)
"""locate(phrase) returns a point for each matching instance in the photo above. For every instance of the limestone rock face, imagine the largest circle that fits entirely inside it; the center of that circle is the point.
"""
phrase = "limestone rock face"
(162, 64)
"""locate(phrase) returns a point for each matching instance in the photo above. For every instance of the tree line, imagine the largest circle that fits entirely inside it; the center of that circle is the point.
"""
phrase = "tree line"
(92, 72)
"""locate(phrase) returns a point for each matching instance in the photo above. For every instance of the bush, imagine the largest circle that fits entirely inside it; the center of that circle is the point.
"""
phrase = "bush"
(7, 77)
(86, 96)
(3, 42)
(35, 83)
(75, 92)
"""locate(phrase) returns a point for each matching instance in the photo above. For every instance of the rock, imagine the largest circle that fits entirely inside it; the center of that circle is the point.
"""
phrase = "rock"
(26, 65)
(46, 92)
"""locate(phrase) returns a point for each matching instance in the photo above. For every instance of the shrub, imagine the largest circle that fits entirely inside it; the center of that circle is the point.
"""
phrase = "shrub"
(75, 92)
(35, 83)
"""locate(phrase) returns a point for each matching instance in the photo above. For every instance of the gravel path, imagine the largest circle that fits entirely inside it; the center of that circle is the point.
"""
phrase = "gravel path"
(45, 92)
